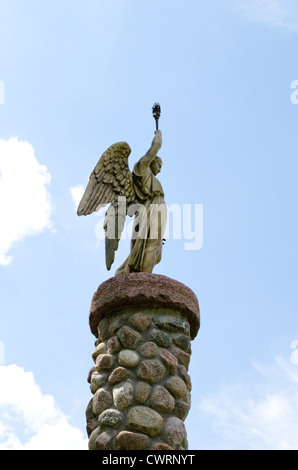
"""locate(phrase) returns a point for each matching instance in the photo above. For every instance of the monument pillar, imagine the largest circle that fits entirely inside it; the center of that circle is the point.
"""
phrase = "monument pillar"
(143, 324)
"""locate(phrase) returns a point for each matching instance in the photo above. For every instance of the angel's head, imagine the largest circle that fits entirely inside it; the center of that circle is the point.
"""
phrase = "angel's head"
(156, 165)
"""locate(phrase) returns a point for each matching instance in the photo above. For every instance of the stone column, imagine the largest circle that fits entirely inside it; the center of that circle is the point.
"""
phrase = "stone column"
(143, 324)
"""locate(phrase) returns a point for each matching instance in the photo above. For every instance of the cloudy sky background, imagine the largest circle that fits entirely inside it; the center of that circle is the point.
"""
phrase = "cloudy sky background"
(79, 76)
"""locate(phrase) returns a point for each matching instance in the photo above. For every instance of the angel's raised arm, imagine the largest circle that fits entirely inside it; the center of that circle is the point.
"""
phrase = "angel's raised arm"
(143, 164)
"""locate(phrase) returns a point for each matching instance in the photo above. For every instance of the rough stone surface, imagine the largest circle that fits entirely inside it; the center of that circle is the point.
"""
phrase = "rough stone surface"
(144, 419)
(181, 409)
(162, 447)
(97, 381)
(145, 290)
(123, 395)
(140, 382)
(175, 432)
(140, 321)
(161, 338)
(102, 400)
(129, 337)
(170, 361)
(183, 342)
(93, 369)
(89, 411)
(105, 440)
(92, 439)
(142, 392)
(176, 386)
(127, 440)
(116, 323)
(182, 356)
(91, 426)
(162, 400)
(104, 361)
(114, 345)
(119, 375)
(149, 350)
(110, 418)
(184, 375)
(173, 325)
(128, 358)
(101, 348)
(151, 371)
(103, 329)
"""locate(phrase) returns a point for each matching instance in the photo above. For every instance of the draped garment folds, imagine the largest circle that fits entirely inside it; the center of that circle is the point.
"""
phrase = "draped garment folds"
(149, 224)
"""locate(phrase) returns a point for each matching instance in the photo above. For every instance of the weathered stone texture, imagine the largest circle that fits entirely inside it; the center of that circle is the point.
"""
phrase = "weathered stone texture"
(151, 371)
(128, 358)
(123, 395)
(127, 440)
(102, 400)
(146, 420)
(119, 375)
(110, 418)
(149, 350)
(140, 291)
(142, 352)
(162, 400)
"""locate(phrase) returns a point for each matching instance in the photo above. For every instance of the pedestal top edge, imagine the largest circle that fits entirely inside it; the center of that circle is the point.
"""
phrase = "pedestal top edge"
(144, 290)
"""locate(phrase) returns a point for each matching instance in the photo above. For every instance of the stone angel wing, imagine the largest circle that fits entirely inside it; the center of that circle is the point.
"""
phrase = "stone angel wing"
(110, 182)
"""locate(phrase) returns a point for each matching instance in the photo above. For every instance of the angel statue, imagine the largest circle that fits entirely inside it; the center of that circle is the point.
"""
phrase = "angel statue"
(137, 193)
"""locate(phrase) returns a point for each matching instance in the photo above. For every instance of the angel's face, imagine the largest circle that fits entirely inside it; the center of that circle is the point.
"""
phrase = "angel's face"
(156, 166)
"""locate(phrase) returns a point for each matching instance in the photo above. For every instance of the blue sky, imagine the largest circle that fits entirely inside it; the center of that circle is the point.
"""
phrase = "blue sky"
(79, 76)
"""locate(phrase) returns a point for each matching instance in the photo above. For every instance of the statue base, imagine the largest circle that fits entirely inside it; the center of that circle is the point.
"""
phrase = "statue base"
(144, 324)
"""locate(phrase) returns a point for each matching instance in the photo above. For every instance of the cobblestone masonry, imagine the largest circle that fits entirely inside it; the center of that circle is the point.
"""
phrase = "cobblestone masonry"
(139, 381)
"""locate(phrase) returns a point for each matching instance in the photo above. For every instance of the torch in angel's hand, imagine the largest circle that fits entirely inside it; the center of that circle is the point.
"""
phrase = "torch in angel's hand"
(156, 111)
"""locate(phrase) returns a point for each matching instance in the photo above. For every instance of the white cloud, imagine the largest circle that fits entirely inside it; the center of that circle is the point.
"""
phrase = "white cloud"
(30, 420)
(77, 193)
(25, 203)
(281, 14)
(258, 413)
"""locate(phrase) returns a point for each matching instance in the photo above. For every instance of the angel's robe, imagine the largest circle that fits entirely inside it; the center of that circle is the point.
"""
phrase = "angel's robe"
(149, 224)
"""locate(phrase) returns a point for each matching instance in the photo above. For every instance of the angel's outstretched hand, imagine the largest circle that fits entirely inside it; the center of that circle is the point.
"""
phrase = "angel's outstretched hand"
(158, 138)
